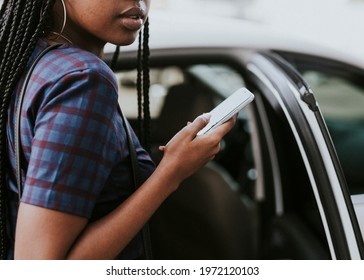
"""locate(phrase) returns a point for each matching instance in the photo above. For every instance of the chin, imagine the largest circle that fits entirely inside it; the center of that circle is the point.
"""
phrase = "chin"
(126, 40)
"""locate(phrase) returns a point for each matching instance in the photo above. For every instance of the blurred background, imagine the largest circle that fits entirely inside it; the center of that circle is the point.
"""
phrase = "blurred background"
(338, 23)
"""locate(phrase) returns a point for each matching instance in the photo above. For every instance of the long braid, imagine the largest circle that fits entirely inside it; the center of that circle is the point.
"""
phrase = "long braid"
(5, 13)
(143, 84)
(21, 25)
(115, 57)
(146, 85)
(4, 10)
(139, 87)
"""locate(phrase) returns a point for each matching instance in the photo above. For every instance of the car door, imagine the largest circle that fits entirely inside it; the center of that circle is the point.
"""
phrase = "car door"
(339, 88)
(311, 198)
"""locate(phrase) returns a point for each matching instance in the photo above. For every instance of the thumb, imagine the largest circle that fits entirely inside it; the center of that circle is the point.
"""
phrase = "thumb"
(199, 123)
(190, 131)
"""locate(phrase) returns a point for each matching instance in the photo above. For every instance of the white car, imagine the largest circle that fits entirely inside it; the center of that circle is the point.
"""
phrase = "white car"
(289, 181)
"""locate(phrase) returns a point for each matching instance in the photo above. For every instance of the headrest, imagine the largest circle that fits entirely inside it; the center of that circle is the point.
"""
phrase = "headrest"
(183, 103)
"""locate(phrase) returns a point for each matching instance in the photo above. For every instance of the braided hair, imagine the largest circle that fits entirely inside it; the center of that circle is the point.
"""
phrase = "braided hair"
(22, 23)
(143, 84)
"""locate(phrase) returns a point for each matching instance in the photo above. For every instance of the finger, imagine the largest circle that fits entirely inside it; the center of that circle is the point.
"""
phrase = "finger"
(162, 148)
(224, 128)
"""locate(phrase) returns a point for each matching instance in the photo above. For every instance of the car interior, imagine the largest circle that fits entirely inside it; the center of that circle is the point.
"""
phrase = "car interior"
(291, 224)
(206, 218)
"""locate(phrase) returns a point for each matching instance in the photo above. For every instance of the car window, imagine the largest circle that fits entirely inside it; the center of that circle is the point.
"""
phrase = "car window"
(161, 79)
(342, 102)
(178, 95)
(220, 79)
(339, 98)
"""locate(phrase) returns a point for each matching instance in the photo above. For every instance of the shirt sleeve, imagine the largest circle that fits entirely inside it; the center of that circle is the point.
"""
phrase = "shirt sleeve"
(73, 149)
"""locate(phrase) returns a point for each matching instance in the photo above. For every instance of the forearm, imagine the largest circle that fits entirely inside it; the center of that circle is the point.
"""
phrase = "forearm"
(107, 237)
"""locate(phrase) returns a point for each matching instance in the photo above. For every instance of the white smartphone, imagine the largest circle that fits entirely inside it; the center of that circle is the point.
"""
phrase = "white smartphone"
(228, 108)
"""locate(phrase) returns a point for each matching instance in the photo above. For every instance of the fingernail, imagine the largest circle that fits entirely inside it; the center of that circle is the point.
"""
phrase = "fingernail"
(206, 115)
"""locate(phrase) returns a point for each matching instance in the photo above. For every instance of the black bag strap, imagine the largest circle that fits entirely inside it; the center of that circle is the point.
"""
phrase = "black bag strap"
(17, 139)
(132, 151)
(137, 182)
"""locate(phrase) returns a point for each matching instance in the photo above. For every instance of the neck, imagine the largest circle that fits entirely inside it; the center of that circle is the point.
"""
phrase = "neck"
(58, 38)
(96, 48)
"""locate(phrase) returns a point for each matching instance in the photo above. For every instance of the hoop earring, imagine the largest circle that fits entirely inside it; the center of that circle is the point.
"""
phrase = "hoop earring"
(64, 16)
(59, 34)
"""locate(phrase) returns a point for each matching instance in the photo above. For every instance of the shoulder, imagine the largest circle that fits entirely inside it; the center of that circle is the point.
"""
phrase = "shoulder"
(69, 77)
(70, 60)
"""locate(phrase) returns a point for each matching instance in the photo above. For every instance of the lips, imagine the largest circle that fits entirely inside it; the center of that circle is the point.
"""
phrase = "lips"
(133, 18)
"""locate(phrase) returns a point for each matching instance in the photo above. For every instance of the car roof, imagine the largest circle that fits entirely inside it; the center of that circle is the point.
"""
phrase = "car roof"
(176, 30)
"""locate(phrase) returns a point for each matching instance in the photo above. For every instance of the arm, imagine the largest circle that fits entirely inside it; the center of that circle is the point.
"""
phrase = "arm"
(43, 233)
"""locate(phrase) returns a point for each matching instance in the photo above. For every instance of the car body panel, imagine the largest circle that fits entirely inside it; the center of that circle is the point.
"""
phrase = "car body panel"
(172, 31)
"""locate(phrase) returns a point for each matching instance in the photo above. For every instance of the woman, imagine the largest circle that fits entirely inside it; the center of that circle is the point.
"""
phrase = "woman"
(77, 200)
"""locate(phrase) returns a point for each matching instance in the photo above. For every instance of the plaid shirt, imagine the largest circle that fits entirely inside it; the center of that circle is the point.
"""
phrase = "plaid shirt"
(73, 139)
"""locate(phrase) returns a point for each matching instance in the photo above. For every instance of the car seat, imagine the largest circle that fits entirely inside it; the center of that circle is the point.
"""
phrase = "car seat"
(183, 103)
(206, 218)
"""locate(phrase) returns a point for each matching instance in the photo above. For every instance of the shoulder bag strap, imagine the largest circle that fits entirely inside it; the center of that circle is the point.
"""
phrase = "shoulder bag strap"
(17, 139)
(137, 182)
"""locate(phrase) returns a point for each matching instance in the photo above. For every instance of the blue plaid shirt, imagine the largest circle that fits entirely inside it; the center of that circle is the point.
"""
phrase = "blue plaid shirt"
(73, 140)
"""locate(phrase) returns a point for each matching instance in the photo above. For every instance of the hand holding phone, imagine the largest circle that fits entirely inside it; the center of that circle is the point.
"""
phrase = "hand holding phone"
(228, 108)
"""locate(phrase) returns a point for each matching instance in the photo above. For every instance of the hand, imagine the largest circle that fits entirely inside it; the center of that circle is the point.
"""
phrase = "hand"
(185, 153)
